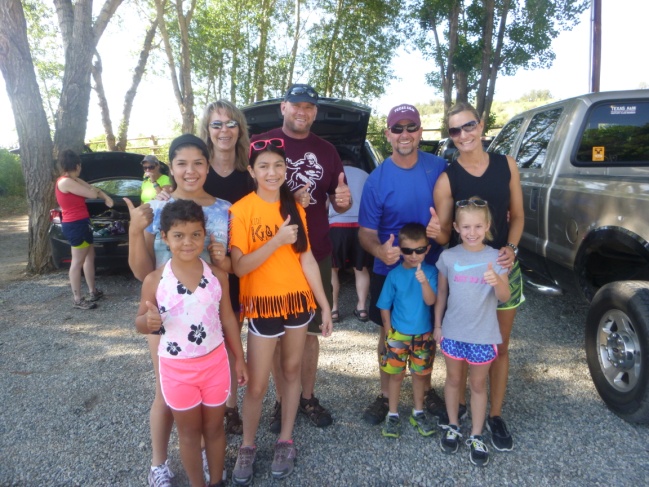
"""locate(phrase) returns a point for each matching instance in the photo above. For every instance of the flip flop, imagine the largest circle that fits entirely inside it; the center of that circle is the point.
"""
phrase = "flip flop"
(335, 317)
(361, 314)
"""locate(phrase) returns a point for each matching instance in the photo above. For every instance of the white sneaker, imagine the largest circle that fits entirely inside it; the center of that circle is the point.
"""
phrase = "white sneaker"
(161, 475)
(206, 469)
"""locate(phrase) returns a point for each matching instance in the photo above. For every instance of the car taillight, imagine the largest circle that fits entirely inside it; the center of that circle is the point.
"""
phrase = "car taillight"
(56, 216)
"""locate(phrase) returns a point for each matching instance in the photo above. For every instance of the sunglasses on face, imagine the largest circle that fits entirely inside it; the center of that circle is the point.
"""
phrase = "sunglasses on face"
(262, 144)
(475, 202)
(409, 251)
(398, 129)
(148, 168)
(298, 90)
(218, 124)
(467, 127)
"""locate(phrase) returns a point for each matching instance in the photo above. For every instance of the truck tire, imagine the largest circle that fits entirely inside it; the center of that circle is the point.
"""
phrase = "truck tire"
(617, 348)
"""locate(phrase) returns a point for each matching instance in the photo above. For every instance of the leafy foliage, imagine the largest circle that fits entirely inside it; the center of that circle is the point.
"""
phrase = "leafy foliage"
(12, 181)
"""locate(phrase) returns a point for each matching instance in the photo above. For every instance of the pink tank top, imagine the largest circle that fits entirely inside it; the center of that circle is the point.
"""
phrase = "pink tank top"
(191, 325)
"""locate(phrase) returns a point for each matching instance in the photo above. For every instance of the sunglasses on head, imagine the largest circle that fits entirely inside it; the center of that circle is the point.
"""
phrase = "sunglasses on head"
(300, 90)
(258, 145)
(148, 168)
(475, 202)
(218, 124)
(467, 127)
(398, 129)
(409, 251)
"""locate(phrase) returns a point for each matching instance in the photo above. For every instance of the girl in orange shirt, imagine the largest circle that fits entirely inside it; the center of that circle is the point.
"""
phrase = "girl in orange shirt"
(280, 284)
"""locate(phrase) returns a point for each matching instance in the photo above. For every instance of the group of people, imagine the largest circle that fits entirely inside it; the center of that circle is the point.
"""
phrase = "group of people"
(243, 233)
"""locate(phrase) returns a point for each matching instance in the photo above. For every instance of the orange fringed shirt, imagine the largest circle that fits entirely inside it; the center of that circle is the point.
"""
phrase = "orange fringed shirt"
(276, 287)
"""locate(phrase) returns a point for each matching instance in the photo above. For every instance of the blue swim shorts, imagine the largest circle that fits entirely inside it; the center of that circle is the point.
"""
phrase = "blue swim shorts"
(473, 353)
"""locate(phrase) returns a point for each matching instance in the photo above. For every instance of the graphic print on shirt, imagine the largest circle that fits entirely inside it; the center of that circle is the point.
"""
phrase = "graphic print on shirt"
(259, 232)
(457, 267)
(303, 171)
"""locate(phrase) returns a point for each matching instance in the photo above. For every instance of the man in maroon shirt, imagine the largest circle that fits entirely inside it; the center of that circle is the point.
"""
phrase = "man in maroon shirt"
(314, 174)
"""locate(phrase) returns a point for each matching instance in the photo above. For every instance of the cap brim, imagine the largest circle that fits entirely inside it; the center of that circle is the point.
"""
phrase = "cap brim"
(302, 99)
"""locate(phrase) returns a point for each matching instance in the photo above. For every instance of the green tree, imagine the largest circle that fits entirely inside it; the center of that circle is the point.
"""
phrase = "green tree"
(472, 41)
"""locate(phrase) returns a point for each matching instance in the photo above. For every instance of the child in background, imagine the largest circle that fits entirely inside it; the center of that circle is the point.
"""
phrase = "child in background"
(466, 324)
(405, 301)
(187, 301)
(280, 284)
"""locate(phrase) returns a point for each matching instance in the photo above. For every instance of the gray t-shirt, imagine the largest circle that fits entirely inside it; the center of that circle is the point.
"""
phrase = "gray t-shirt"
(471, 307)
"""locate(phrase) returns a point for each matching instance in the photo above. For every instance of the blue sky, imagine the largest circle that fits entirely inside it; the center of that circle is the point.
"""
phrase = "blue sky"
(624, 66)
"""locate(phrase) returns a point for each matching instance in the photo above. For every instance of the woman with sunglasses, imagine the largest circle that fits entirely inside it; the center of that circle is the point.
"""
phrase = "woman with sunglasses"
(154, 181)
(224, 130)
(280, 285)
(494, 178)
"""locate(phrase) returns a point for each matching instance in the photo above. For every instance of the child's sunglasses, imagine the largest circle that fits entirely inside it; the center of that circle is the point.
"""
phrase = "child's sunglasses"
(218, 124)
(409, 251)
(475, 202)
(467, 127)
(398, 129)
(262, 144)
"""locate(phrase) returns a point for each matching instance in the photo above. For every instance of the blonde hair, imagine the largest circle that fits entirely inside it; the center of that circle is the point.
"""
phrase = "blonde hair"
(243, 142)
(474, 208)
(462, 107)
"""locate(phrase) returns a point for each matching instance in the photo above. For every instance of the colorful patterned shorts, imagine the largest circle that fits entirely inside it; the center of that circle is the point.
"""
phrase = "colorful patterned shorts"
(473, 353)
(401, 349)
(515, 288)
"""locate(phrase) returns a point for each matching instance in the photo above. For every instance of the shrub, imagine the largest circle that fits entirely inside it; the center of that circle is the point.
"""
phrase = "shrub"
(12, 182)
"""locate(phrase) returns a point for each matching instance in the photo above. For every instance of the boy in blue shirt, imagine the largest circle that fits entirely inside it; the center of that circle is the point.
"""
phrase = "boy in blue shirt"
(408, 293)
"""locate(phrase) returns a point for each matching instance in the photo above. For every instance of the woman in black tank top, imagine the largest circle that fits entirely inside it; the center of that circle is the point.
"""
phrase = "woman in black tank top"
(494, 178)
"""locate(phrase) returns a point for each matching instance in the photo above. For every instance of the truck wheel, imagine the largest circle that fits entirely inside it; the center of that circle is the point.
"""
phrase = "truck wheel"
(617, 348)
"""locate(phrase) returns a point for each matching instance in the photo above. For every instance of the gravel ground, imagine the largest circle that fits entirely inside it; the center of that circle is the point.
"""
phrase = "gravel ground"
(76, 388)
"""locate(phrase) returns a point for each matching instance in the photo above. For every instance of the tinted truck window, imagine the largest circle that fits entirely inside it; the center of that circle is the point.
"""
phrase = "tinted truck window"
(504, 141)
(537, 137)
(615, 134)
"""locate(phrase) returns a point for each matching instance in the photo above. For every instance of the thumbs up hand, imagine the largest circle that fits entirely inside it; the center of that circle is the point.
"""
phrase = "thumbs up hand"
(490, 276)
(302, 195)
(343, 196)
(287, 233)
(419, 275)
(153, 318)
(140, 217)
(388, 253)
(434, 227)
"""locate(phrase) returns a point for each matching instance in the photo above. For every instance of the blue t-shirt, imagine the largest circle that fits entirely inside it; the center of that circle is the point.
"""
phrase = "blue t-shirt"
(216, 223)
(394, 196)
(401, 294)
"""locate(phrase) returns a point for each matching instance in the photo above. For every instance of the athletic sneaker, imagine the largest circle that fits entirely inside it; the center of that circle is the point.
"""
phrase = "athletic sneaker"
(243, 471)
(95, 296)
(233, 423)
(423, 424)
(501, 439)
(450, 439)
(161, 475)
(479, 453)
(376, 412)
(83, 303)
(284, 459)
(312, 409)
(276, 420)
(433, 402)
(206, 469)
(442, 415)
(391, 427)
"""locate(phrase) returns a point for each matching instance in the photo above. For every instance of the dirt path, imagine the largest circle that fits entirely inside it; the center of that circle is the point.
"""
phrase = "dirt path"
(13, 248)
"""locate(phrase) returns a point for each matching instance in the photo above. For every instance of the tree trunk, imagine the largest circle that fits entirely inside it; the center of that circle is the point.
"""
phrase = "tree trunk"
(496, 62)
(487, 37)
(296, 39)
(33, 131)
(103, 103)
(332, 66)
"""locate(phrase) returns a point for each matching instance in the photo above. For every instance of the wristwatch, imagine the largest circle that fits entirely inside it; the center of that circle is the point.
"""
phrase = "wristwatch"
(514, 248)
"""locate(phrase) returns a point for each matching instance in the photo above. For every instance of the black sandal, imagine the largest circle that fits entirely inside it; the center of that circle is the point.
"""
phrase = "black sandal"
(335, 316)
(233, 423)
(361, 314)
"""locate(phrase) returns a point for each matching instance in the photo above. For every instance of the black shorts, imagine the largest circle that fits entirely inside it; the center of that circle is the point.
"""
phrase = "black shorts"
(276, 327)
(347, 251)
(78, 232)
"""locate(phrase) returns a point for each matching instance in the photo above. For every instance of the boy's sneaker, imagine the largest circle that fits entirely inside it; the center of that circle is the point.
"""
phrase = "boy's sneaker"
(376, 412)
(442, 415)
(95, 296)
(450, 440)
(312, 409)
(284, 459)
(83, 303)
(479, 453)
(432, 402)
(423, 424)
(161, 475)
(206, 469)
(501, 439)
(243, 471)
(391, 427)
(276, 419)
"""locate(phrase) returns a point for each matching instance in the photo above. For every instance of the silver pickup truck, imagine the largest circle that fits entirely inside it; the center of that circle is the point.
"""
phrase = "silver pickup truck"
(584, 165)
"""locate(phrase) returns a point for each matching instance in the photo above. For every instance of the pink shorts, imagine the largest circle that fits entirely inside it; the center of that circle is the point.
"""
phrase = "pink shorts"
(188, 382)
